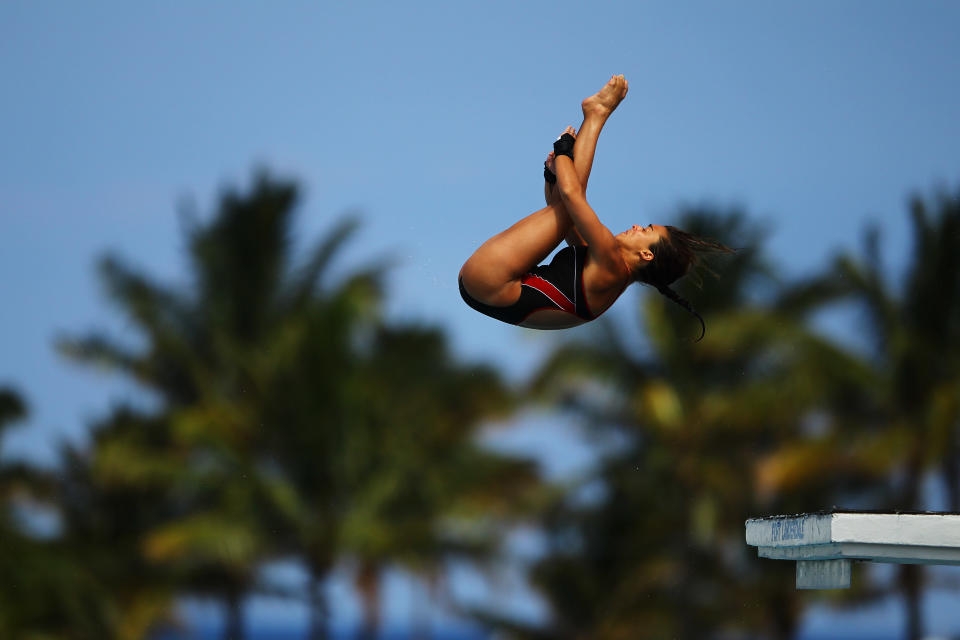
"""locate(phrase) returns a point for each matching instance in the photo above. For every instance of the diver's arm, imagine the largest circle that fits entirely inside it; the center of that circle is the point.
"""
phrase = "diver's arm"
(552, 196)
(603, 246)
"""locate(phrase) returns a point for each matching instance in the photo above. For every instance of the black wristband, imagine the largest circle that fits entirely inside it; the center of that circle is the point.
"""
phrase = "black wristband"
(564, 146)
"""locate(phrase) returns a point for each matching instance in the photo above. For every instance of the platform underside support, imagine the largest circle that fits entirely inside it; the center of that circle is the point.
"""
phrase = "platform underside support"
(823, 574)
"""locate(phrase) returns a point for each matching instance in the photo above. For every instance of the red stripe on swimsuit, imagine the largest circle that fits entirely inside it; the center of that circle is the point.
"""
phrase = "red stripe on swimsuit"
(548, 289)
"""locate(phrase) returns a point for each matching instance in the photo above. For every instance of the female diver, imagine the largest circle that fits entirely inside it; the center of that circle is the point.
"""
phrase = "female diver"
(502, 280)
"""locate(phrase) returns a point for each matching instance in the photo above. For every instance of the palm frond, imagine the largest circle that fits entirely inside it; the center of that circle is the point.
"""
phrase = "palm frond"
(203, 538)
(154, 309)
(308, 278)
(12, 406)
(102, 352)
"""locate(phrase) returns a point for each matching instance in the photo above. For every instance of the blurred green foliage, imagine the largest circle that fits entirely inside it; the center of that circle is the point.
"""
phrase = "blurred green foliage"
(291, 422)
(290, 419)
(765, 416)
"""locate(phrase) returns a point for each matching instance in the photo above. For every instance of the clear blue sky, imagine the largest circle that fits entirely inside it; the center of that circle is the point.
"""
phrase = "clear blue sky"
(432, 119)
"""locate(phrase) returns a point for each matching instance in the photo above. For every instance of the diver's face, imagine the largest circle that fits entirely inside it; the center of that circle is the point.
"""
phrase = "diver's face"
(639, 239)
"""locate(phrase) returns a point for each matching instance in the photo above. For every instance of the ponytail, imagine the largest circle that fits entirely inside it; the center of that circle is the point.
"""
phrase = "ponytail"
(673, 257)
(673, 295)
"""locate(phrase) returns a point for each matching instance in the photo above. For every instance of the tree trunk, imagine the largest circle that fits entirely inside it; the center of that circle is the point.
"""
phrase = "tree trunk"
(420, 603)
(951, 473)
(368, 584)
(686, 629)
(783, 603)
(911, 575)
(319, 613)
(911, 584)
(234, 623)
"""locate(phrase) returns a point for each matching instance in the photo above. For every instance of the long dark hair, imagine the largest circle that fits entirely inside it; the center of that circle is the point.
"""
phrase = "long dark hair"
(673, 257)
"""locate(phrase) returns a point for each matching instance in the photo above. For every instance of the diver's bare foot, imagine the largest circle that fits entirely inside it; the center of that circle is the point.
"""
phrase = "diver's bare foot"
(551, 195)
(549, 164)
(603, 102)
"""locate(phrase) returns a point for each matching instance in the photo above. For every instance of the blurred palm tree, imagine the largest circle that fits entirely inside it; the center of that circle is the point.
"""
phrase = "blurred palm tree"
(291, 421)
(906, 424)
(423, 491)
(658, 550)
(306, 404)
(103, 523)
(201, 462)
(46, 592)
(385, 459)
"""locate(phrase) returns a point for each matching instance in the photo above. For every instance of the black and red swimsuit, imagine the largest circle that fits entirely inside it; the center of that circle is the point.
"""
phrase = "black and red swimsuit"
(558, 285)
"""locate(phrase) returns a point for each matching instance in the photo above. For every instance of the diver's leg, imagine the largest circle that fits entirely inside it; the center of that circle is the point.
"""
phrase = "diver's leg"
(492, 274)
(596, 110)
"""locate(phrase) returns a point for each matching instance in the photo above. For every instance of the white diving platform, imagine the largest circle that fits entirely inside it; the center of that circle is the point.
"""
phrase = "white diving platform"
(825, 544)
